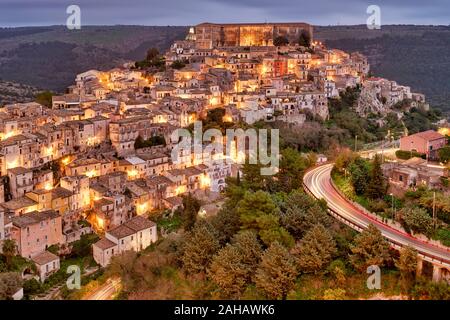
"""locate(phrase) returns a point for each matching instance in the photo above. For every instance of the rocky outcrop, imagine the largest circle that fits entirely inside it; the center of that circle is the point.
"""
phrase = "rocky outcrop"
(368, 102)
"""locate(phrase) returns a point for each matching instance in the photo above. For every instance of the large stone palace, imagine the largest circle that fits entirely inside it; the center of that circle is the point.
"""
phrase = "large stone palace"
(210, 35)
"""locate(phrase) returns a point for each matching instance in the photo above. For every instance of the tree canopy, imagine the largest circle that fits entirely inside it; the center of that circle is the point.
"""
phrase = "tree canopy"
(370, 248)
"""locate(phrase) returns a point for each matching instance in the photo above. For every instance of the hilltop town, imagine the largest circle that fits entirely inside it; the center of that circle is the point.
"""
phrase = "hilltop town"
(97, 160)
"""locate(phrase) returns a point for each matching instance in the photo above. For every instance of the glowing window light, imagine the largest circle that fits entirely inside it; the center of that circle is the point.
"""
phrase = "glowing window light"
(192, 118)
(142, 208)
(214, 101)
(92, 141)
(227, 118)
(12, 164)
(180, 190)
(8, 134)
(132, 173)
(100, 222)
(205, 181)
(65, 161)
(91, 173)
(264, 69)
(48, 152)
(444, 131)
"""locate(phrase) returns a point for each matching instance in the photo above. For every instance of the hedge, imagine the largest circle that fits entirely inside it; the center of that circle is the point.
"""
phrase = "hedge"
(405, 155)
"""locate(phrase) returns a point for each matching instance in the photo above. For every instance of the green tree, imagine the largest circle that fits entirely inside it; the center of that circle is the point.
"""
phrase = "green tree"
(83, 247)
(139, 142)
(280, 41)
(215, 116)
(302, 213)
(292, 168)
(253, 206)
(377, 187)
(370, 248)
(338, 271)
(232, 268)
(10, 283)
(276, 274)
(304, 39)
(152, 54)
(200, 247)
(9, 249)
(359, 173)
(344, 159)
(191, 206)
(444, 154)
(271, 231)
(417, 220)
(249, 246)
(178, 64)
(227, 223)
(44, 98)
(123, 266)
(407, 264)
(228, 272)
(258, 212)
(32, 287)
(254, 180)
(334, 294)
(426, 289)
(314, 252)
(438, 200)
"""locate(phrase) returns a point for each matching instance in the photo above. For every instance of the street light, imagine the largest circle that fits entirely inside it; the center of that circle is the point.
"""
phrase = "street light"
(393, 209)
(434, 209)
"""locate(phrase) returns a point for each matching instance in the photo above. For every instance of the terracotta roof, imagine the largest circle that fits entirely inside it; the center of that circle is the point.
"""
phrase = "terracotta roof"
(34, 217)
(121, 231)
(139, 223)
(19, 170)
(19, 203)
(104, 244)
(60, 192)
(174, 201)
(429, 135)
(44, 258)
(130, 227)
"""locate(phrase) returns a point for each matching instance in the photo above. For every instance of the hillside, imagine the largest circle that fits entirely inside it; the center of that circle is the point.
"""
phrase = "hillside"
(417, 56)
(12, 92)
(50, 57)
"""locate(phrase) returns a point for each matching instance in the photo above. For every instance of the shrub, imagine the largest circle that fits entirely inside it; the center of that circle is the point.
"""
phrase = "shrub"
(405, 155)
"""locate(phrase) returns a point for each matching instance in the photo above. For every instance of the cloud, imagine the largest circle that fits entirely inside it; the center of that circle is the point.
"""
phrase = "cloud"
(189, 12)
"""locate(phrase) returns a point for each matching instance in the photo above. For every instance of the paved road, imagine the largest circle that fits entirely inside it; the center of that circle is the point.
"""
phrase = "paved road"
(105, 291)
(318, 182)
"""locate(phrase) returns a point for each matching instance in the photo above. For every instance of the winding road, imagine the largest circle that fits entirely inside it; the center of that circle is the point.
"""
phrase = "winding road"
(106, 291)
(317, 182)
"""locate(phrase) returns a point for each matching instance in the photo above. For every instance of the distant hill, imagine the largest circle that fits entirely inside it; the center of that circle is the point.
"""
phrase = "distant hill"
(50, 57)
(12, 92)
(417, 56)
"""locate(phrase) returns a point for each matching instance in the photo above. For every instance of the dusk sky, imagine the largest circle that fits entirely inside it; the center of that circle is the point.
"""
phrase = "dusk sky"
(191, 12)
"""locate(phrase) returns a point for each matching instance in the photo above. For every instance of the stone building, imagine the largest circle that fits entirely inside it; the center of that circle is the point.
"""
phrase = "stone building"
(211, 35)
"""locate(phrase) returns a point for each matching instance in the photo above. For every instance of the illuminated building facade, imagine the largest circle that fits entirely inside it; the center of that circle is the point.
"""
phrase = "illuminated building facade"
(211, 35)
